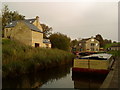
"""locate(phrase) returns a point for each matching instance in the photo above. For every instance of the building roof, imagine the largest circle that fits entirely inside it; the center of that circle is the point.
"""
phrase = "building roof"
(32, 27)
(11, 24)
(28, 22)
(46, 41)
(84, 40)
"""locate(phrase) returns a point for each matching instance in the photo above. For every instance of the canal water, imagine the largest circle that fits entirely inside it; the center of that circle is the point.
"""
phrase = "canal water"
(59, 77)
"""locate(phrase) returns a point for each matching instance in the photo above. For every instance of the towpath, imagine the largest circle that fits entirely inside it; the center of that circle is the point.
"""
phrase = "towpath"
(113, 78)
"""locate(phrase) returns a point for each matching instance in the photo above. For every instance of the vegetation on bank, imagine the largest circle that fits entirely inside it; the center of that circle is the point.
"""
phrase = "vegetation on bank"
(114, 53)
(110, 44)
(60, 41)
(18, 58)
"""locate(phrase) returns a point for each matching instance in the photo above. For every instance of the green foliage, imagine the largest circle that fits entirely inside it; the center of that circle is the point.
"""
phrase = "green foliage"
(100, 39)
(60, 41)
(47, 31)
(109, 45)
(8, 16)
(74, 43)
(18, 58)
(114, 53)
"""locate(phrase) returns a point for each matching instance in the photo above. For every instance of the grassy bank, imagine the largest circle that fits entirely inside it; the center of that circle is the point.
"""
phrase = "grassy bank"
(18, 58)
(114, 53)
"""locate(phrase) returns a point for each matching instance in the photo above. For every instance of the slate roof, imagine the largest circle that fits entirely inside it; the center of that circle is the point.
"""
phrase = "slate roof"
(11, 24)
(32, 27)
(84, 40)
(28, 22)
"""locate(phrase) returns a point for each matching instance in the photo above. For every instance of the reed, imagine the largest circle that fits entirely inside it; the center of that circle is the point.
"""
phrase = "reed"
(18, 58)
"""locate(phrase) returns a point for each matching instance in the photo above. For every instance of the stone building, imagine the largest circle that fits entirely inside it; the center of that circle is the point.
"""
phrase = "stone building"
(89, 44)
(28, 31)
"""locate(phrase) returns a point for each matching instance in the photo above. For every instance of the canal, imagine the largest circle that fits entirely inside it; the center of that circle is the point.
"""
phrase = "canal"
(59, 77)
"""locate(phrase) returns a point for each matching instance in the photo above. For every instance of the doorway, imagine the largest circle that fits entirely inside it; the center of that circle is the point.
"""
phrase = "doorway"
(37, 45)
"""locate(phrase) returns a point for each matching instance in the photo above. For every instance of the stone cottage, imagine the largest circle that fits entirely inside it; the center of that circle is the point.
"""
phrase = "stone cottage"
(28, 31)
(89, 44)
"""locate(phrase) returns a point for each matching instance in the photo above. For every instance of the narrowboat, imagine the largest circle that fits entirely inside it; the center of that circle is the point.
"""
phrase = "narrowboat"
(95, 63)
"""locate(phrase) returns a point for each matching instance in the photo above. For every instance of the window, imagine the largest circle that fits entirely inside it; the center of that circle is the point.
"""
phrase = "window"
(30, 21)
(92, 44)
(36, 44)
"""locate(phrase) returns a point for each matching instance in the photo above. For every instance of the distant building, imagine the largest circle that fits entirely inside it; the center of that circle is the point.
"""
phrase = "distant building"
(114, 47)
(89, 44)
(27, 31)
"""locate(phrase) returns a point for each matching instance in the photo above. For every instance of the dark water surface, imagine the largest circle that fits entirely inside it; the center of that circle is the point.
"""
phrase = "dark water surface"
(59, 77)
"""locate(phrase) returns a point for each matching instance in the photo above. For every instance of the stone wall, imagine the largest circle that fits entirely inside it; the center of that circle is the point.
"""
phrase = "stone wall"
(20, 32)
(37, 37)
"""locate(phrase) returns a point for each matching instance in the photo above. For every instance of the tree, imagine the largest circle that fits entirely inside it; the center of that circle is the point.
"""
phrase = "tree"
(106, 41)
(5, 16)
(8, 16)
(60, 41)
(47, 31)
(74, 43)
(100, 39)
(0, 24)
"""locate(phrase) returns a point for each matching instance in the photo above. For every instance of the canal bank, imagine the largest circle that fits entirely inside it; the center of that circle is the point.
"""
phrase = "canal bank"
(19, 59)
(113, 77)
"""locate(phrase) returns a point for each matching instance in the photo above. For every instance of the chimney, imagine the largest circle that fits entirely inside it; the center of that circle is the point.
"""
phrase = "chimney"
(37, 18)
(92, 37)
(37, 21)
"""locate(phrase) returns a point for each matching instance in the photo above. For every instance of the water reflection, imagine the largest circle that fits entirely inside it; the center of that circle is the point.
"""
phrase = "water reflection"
(34, 80)
(59, 77)
(87, 80)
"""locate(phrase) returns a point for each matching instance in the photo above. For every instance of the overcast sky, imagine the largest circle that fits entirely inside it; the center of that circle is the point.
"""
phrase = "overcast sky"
(75, 19)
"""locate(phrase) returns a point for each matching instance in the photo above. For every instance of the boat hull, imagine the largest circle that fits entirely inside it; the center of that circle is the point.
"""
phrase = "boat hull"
(87, 70)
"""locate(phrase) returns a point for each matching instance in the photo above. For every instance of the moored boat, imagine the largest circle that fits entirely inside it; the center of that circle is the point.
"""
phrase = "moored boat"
(95, 63)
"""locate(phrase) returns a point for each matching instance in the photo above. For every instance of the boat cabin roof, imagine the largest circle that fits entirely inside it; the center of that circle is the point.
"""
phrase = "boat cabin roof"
(101, 56)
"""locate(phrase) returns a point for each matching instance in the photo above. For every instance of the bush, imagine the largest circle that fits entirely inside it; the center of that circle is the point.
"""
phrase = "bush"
(60, 41)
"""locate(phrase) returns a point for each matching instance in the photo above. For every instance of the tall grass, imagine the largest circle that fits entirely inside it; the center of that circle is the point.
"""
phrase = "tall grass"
(18, 58)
